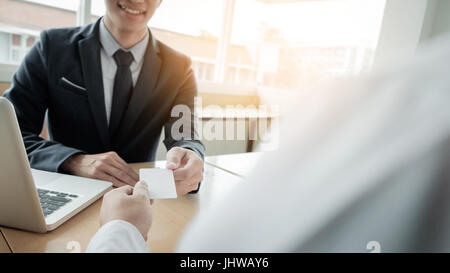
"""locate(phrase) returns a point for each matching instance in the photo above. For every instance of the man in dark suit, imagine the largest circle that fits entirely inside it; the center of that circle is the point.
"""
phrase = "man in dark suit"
(108, 89)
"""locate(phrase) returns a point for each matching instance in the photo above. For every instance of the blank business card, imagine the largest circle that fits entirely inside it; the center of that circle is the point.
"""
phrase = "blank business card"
(161, 183)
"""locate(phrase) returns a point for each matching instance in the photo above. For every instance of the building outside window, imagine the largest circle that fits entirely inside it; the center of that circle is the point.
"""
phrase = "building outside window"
(279, 44)
(22, 21)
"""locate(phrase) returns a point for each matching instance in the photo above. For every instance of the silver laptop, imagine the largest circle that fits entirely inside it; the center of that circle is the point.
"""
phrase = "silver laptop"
(36, 200)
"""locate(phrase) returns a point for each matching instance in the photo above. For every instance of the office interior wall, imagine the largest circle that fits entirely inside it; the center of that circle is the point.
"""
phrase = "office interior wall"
(401, 30)
(441, 23)
(437, 22)
(407, 24)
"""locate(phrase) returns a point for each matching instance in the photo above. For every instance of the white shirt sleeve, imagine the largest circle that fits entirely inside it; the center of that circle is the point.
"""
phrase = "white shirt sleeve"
(117, 236)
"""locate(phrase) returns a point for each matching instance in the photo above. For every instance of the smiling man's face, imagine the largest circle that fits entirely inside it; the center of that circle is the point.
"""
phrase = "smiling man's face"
(130, 15)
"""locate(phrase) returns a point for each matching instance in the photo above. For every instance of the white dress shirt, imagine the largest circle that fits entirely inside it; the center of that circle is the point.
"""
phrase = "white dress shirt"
(364, 166)
(118, 236)
(109, 66)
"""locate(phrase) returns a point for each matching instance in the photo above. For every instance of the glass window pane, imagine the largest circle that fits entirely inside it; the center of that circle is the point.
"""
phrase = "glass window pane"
(24, 20)
(30, 41)
(289, 45)
(16, 40)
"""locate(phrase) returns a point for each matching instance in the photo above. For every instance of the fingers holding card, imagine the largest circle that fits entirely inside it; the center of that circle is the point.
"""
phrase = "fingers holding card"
(161, 183)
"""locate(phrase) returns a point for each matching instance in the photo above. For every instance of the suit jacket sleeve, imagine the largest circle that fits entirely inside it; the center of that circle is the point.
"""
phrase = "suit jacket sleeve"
(180, 129)
(30, 96)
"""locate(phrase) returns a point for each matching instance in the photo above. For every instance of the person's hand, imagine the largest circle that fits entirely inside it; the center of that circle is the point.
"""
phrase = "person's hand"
(107, 166)
(128, 204)
(187, 169)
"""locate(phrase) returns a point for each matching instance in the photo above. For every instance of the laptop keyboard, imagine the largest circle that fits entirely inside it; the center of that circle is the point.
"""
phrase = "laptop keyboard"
(51, 201)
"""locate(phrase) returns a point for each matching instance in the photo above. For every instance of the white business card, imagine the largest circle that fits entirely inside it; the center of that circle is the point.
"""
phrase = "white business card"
(161, 183)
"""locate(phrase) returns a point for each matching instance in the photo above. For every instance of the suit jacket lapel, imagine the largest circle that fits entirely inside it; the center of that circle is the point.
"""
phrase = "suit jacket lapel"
(143, 89)
(89, 49)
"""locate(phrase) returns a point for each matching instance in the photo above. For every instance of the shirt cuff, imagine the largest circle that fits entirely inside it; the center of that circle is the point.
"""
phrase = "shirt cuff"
(117, 236)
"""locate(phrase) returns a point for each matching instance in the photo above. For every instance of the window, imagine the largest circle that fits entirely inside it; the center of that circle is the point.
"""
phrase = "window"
(290, 44)
(278, 44)
(19, 46)
(204, 69)
(14, 46)
(22, 21)
(257, 43)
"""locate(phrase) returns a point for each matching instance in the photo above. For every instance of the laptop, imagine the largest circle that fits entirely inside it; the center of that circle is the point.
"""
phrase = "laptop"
(35, 200)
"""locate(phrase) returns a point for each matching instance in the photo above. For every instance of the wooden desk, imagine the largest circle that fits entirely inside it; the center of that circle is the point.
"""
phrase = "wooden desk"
(170, 216)
(237, 164)
(3, 245)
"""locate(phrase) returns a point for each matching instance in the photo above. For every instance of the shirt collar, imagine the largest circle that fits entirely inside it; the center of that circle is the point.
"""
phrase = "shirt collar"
(110, 45)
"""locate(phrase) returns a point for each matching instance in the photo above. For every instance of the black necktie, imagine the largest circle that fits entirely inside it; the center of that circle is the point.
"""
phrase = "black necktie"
(123, 87)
